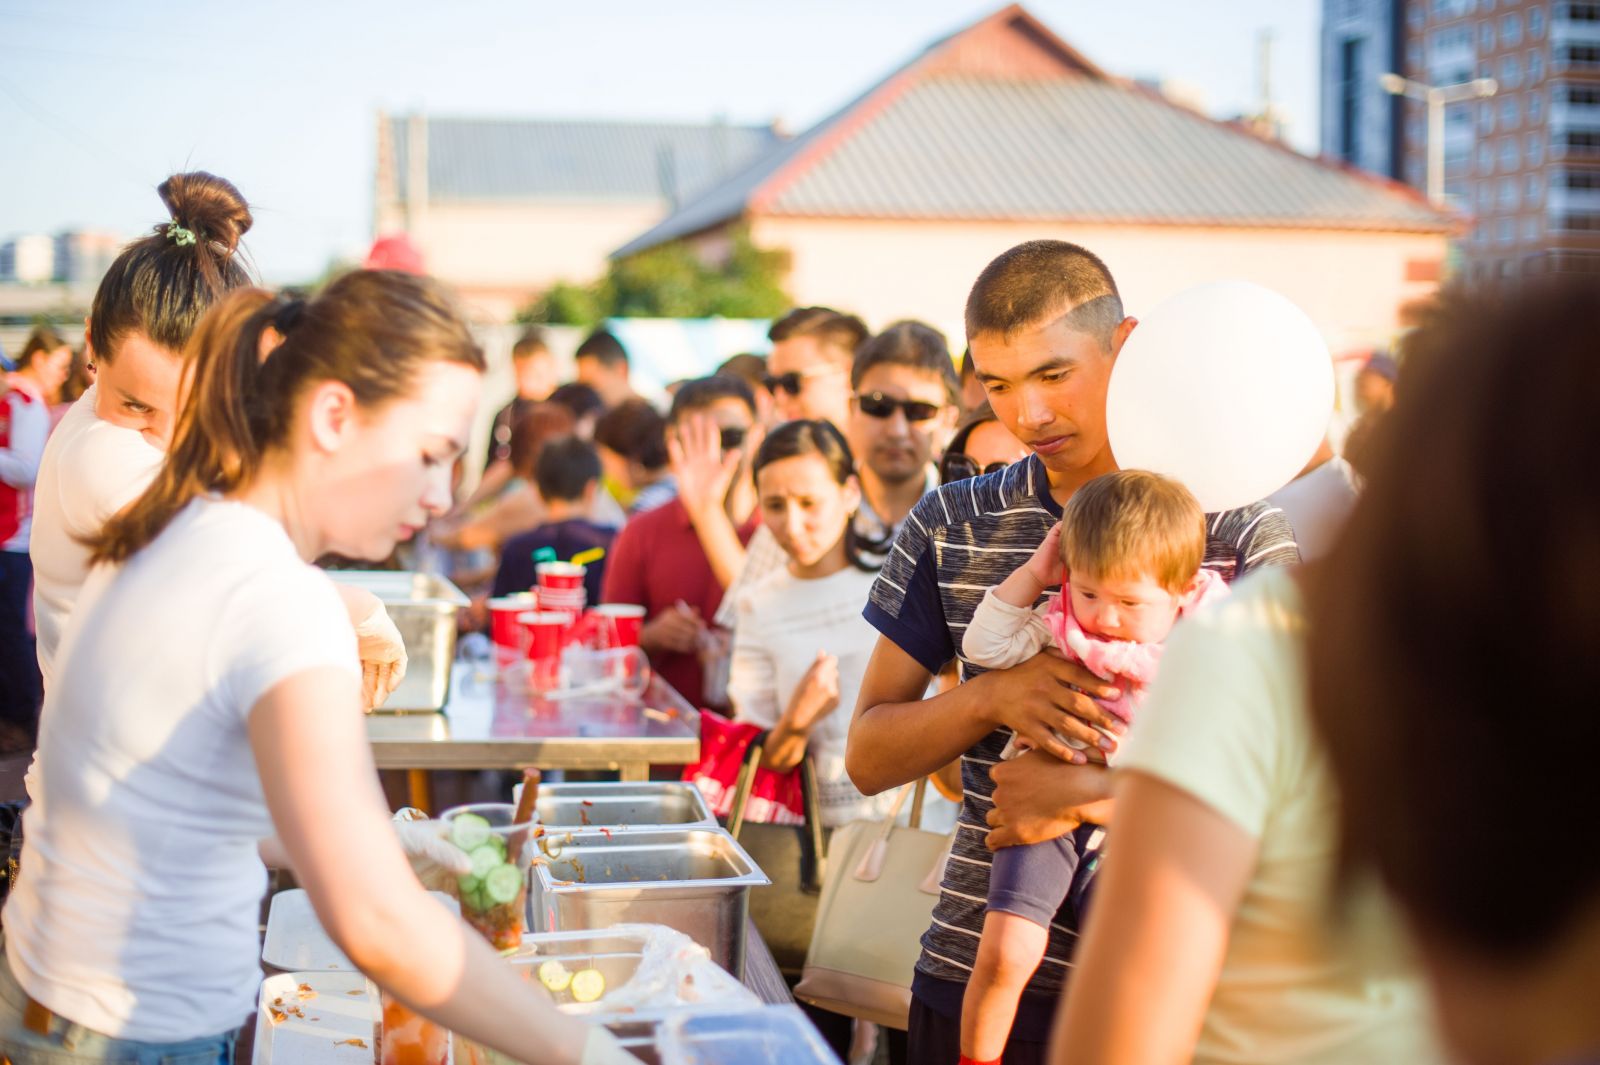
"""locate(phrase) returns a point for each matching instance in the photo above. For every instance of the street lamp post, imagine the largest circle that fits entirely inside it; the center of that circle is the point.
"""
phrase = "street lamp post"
(1436, 97)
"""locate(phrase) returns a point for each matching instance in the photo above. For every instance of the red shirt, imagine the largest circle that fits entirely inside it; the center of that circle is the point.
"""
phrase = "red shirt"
(656, 561)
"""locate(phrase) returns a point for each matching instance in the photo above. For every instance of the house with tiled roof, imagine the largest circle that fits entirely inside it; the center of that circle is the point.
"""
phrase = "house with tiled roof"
(502, 208)
(1003, 132)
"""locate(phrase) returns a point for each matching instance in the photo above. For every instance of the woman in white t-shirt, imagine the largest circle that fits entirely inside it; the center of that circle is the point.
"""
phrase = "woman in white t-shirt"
(109, 445)
(1212, 934)
(207, 717)
(801, 645)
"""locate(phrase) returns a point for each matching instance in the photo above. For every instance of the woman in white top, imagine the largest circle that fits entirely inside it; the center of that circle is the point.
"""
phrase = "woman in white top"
(207, 716)
(801, 645)
(107, 448)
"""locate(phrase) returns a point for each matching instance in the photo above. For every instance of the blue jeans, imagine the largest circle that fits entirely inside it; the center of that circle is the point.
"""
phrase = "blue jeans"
(73, 1044)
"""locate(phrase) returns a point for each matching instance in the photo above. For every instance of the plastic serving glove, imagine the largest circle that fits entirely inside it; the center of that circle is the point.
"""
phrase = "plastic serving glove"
(383, 656)
(602, 1048)
(433, 858)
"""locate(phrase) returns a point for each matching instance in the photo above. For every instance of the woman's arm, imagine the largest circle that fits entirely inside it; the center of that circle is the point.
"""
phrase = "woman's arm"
(1174, 873)
(318, 777)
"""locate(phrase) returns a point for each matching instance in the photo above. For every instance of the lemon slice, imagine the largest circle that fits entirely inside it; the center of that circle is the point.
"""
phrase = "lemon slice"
(554, 976)
(588, 985)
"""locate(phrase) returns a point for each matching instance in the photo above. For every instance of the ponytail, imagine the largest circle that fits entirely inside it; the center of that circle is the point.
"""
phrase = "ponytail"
(213, 448)
(255, 354)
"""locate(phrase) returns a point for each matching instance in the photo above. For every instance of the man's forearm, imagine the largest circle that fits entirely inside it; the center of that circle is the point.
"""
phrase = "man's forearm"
(720, 542)
(893, 743)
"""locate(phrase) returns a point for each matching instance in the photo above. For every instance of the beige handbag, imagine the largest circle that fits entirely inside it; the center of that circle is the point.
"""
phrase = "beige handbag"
(877, 900)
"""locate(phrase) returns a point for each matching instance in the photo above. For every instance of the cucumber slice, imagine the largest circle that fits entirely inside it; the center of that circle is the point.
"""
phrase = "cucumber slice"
(588, 985)
(469, 832)
(484, 859)
(469, 884)
(554, 976)
(499, 844)
(501, 884)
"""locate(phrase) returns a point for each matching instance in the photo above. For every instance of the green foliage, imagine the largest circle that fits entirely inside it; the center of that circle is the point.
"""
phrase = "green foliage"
(671, 281)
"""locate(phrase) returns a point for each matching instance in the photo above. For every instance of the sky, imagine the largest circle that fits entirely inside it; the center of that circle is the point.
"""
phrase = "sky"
(99, 100)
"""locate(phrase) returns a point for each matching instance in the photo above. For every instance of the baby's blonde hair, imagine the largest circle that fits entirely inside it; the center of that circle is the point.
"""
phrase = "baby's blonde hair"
(1131, 524)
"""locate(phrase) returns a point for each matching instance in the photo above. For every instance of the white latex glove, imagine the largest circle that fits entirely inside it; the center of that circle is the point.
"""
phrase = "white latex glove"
(602, 1048)
(433, 857)
(383, 656)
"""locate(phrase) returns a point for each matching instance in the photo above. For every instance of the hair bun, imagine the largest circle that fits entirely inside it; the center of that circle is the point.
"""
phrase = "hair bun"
(210, 206)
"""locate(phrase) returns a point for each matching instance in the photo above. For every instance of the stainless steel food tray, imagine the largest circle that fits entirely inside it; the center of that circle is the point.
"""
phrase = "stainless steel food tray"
(696, 880)
(423, 607)
(623, 805)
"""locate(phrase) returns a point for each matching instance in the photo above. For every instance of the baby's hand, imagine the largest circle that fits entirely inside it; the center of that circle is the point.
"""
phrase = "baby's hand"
(1045, 564)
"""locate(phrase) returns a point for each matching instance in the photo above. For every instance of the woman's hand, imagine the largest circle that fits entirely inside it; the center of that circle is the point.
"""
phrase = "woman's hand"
(704, 473)
(383, 656)
(817, 695)
(676, 630)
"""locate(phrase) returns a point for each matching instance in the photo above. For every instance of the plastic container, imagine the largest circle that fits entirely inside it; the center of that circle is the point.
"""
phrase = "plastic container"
(771, 1035)
(494, 895)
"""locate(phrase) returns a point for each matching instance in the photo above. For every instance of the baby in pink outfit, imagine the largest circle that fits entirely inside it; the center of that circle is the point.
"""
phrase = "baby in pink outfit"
(1131, 543)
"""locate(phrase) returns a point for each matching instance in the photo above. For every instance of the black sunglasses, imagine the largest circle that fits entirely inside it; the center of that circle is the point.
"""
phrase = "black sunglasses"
(958, 467)
(733, 439)
(878, 405)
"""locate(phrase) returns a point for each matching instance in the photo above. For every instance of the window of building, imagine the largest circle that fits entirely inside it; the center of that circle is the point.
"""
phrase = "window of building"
(1511, 30)
(1485, 159)
(1530, 227)
(1535, 107)
(1535, 21)
(1578, 12)
(1416, 16)
(1533, 147)
(1576, 222)
(1535, 65)
(1581, 56)
(1486, 117)
(1505, 231)
(1507, 199)
(1486, 36)
(1414, 57)
(1349, 95)
(1510, 112)
(1510, 73)
(1534, 188)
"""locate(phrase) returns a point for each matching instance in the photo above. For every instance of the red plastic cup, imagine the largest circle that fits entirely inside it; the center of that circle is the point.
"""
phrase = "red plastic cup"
(547, 630)
(506, 632)
(626, 620)
(559, 575)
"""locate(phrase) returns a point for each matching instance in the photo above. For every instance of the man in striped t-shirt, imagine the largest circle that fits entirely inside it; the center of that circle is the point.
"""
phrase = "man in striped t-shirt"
(1045, 323)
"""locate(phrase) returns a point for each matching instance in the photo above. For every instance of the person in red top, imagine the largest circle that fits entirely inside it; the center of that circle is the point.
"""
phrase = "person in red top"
(657, 561)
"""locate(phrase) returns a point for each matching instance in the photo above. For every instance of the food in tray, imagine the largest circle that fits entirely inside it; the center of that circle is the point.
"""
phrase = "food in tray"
(588, 985)
(408, 1038)
(493, 892)
(555, 976)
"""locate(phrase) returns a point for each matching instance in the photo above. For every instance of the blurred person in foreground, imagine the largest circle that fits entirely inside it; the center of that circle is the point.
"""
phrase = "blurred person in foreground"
(658, 562)
(44, 365)
(533, 369)
(1470, 572)
(752, 370)
(1375, 383)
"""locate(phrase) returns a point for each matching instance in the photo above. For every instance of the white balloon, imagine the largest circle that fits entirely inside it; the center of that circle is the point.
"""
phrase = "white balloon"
(1227, 387)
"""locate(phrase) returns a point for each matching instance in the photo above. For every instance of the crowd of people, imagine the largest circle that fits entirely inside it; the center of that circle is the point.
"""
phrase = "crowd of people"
(1218, 784)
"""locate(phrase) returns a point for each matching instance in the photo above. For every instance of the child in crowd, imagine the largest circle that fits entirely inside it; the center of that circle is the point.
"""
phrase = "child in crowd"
(567, 475)
(1132, 543)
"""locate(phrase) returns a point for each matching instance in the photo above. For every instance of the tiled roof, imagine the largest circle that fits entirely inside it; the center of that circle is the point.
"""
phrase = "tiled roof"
(471, 159)
(951, 145)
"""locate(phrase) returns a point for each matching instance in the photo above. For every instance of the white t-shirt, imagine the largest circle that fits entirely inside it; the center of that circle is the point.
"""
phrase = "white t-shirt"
(1226, 721)
(782, 623)
(91, 469)
(135, 915)
(1317, 505)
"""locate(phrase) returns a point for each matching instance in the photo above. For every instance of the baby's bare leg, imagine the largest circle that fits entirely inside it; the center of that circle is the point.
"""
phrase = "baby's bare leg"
(1009, 952)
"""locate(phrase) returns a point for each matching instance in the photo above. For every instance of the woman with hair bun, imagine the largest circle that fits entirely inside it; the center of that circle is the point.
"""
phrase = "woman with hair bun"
(107, 448)
(205, 720)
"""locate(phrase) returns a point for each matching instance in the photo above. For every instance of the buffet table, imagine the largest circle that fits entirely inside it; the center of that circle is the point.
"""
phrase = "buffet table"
(490, 723)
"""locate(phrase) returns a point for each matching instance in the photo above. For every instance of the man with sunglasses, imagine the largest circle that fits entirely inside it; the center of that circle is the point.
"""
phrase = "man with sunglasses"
(808, 372)
(1045, 324)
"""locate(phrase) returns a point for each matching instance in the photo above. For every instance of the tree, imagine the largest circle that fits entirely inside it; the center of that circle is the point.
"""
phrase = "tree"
(671, 281)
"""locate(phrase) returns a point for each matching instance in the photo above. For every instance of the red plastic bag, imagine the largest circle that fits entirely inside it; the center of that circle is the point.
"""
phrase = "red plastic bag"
(775, 798)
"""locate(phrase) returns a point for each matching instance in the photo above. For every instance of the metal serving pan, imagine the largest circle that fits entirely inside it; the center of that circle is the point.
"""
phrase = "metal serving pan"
(623, 805)
(423, 607)
(696, 880)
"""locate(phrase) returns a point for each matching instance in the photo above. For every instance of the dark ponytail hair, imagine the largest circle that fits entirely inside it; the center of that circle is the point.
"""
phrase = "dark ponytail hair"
(255, 354)
(162, 285)
(821, 438)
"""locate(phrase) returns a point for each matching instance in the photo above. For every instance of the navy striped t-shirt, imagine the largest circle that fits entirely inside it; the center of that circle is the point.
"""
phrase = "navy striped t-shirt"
(959, 541)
